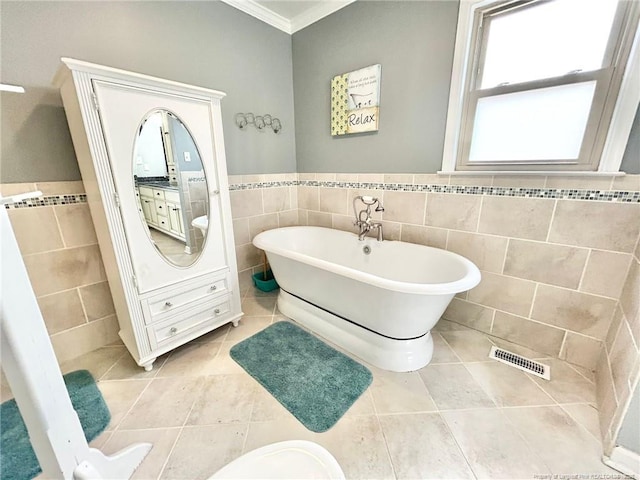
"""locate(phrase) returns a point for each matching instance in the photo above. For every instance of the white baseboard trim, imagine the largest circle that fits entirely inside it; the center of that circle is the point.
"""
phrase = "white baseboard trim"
(624, 461)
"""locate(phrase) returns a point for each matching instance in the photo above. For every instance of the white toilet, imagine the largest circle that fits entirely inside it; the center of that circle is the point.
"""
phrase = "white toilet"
(295, 459)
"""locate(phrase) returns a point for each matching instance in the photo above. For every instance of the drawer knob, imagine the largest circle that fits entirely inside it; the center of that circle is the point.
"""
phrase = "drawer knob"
(213, 288)
(173, 330)
(216, 311)
(168, 304)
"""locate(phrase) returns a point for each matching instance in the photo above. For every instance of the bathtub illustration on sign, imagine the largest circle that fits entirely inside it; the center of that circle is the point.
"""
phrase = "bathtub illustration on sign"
(377, 299)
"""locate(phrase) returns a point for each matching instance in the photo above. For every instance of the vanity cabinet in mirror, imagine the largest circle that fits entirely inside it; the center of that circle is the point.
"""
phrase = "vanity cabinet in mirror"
(151, 155)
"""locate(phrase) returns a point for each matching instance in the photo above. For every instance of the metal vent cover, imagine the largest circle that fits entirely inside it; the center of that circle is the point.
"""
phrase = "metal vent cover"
(518, 361)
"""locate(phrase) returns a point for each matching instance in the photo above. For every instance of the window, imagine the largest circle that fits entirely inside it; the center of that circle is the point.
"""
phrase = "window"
(538, 83)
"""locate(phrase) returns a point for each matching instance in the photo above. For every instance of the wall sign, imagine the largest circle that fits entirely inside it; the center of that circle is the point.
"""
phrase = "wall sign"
(355, 101)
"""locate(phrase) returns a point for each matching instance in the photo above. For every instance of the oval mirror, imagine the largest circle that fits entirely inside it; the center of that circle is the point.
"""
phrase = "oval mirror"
(171, 187)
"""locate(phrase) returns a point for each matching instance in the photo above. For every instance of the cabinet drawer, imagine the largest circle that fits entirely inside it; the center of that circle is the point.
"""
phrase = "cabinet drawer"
(172, 169)
(208, 312)
(173, 179)
(145, 191)
(171, 196)
(163, 222)
(170, 302)
(158, 194)
(161, 207)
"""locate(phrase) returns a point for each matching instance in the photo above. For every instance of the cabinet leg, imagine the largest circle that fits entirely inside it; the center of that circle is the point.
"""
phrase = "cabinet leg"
(149, 365)
(235, 323)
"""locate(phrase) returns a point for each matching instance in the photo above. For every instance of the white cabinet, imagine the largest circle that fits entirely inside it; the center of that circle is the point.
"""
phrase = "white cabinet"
(160, 302)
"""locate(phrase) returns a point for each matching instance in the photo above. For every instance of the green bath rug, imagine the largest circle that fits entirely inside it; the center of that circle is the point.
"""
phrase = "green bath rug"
(17, 459)
(315, 382)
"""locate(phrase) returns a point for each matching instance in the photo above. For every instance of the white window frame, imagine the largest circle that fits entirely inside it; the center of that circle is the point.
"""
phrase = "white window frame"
(621, 120)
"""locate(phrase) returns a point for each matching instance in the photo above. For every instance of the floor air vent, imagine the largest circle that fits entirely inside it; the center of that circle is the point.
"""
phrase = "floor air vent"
(520, 362)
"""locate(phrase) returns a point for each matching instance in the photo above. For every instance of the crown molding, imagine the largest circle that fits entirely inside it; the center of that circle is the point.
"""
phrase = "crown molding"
(261, 13)
(297, 23)
(316, 13)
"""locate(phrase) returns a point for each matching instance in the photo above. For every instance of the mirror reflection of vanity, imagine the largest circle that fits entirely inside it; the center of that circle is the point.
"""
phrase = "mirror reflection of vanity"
(170, 186)
(151, 155)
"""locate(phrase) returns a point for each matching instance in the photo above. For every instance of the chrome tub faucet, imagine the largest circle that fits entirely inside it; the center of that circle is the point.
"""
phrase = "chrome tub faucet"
(363, 217)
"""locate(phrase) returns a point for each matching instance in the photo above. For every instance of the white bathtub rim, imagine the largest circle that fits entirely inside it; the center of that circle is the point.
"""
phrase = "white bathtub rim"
(470, 280)
(379, 351)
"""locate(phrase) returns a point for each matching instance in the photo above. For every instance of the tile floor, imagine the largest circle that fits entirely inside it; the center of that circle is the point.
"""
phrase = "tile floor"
(462, 416)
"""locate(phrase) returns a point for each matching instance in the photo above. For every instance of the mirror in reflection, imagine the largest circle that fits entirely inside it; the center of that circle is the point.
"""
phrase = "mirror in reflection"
(171, 187)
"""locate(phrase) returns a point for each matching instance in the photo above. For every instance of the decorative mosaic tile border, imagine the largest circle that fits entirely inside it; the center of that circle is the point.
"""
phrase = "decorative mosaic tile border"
(618, 196)
(48, 201)
(553, 193)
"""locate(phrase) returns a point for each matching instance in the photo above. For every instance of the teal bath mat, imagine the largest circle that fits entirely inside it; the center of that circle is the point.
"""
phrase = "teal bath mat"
(315, 382)
(17, 459)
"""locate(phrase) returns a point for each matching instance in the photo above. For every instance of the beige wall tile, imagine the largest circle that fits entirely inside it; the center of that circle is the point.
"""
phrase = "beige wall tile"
(469, 314)
(342, 222)
(623, 357)
(579, 183)
(605, 273)
(603, 225)
(85, 338)
(612, 333)
(319, 219)
(288, 218)
(234, 179)
(60, 188)
(333, 200)
(432, 237)
(326, 177)
(306, 176)
(630, 297)
(431, 179)
(537, 336)
(405, 207)
(603, 379)
(76, 224)
(581, 312)
(241, 231)
(347, 177)
(544, 262)
(516, 217)
(390, 230)
(581, 350)
(371, 178)
(519, 181)
(262, 223)
(252, 178)
(636, 252)
(36, 229)
(626, 183)
(504, 293)
(471, 180)
(245, 203)
(97, 300)
(308, 198)
(303, 217)
(7, 189)
(64, 269)
(458, 212)
(398, 178)
(276, 199)
(293, 197)
(248, 256)
(62, 311)
(486, 251)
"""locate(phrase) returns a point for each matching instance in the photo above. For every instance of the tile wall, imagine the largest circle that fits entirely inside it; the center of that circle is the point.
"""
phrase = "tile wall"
(559, 257)
(60, 251)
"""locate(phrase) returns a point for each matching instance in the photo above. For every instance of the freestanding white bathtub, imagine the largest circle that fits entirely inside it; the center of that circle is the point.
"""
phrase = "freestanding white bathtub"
(377, 300)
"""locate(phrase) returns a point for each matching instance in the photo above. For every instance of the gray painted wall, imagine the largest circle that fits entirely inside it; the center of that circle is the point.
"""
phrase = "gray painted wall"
(414, 43)
(203, 43)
